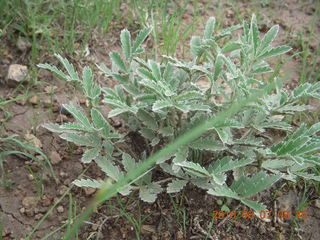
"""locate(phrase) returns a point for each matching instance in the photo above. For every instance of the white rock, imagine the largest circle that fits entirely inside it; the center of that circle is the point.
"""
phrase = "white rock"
(60, 209)
(89, 191)
(50, 88)
(16, 74)
(34, 100)
(29, 202)
(55, 157)
(33, 140)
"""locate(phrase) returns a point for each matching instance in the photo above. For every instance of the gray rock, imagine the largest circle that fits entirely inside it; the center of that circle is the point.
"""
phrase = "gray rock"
(23, 44)
(34, 100)
(55, 158)
(33, 140)
(60, 209)
(16, 74)
(29, 202)
(89, 191)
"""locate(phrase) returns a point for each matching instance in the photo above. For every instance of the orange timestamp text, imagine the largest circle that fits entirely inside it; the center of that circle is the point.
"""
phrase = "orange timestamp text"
(265, 214)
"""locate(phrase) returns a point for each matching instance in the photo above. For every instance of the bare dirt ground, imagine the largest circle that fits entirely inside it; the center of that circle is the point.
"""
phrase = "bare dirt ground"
(22, 206)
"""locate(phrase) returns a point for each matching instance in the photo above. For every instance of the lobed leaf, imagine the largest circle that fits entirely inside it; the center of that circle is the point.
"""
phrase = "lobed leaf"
(88, 183)
(148, 193)
(268, 38)
(77, 139)
(223, 191)
(128, 162)
(176, 185)
(195, 46)
(125, 39)
(100, 122)
(78, 114)
(73, 75)
(108, 168)
(117, 61)
(90, 155)
(247, 187)
(274, 52)
(207, 144)
(160, 104)
(194, 168)
(55, 70)
(209, 28)
(143, 34)
(147, 119)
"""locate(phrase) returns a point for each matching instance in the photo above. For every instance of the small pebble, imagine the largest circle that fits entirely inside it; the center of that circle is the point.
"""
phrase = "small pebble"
(94, 227)
(45, 201)
(36, 210)
(30, 177)
(16, 74)
(55, 157)
(60, 209)
(34, 100)
(82, 100)
(67, 182)
(22, 210)
(230, 13)
(23, 44)
(29, 212)
(29, 202)
(50, 88)
(47, 102)
(38, 216)
(314, 44)
(63, 174)
(51, 217)
(22, 101)
(89, 191)
(33, 140)
(117, 124)
(46, 177)
(61, 118)
(262, 229)
(62, 189)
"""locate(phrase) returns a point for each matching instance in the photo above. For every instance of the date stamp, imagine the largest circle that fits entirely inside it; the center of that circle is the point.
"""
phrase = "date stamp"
(281, 214)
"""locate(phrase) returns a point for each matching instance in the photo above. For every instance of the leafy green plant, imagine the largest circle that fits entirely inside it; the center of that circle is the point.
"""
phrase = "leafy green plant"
(163, 100)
